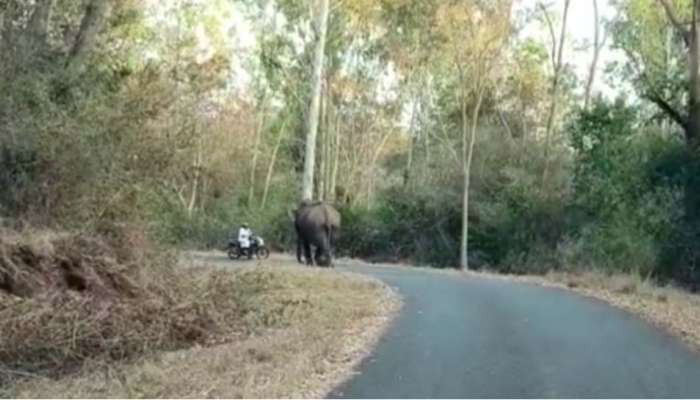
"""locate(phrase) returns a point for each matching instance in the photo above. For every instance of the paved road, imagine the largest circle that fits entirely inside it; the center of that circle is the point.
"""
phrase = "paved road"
(461, 336)
(469, 337)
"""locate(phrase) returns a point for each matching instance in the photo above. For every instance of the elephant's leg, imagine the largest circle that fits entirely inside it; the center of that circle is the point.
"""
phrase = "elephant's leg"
(307, 253)
(300, 243)
(299, 249)
(327, 248)
(318, 256)
(332, 241)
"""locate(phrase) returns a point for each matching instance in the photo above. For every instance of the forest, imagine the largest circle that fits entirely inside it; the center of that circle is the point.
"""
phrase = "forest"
(445, 132)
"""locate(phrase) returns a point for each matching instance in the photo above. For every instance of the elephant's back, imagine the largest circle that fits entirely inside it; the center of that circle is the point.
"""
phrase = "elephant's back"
(329, 215)
(333, 216)
(319, 214)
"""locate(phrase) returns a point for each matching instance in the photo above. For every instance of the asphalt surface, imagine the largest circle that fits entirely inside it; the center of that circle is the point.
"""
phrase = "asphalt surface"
(461, 337)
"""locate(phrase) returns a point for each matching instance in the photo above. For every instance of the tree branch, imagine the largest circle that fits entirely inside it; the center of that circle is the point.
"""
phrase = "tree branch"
(39, 22)
(553, 35)
(96, 13)
(671, 13)
(653, 95)
(560, 52)
(667, 108)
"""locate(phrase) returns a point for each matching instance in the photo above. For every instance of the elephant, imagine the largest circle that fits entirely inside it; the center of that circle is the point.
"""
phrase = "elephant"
(317, 224)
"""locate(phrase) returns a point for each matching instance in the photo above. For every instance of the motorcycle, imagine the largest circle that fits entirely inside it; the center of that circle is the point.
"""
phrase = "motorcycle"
(257, 248)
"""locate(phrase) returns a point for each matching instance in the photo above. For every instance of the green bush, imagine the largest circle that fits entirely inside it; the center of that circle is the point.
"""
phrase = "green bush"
(415, 227)
(629, 189)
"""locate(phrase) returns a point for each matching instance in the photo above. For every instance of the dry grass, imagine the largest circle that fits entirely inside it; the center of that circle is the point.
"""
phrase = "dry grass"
(301, 333)
(66, 299)
(670, 308)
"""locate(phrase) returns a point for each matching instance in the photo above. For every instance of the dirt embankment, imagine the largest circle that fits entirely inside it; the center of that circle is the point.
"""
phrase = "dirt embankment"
(81, 318)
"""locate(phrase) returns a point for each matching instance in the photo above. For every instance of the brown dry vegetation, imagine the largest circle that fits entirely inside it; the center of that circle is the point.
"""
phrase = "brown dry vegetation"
(66, 298)
(151, 330)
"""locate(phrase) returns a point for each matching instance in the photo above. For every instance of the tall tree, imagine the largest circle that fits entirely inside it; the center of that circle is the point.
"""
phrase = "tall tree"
(690, 35)
(474, 34)
(96, 13)
(669, 79)
(315, 102)
(38, 27)
(264, 96)
(557, 56)
(598, 43)
(11, 12)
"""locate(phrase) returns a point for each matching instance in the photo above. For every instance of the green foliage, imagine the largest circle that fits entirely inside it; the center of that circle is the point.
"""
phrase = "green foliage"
(656, 63)
(627, 202)
(510, 218)
(148, 129)
(601, 138)
(211, 228)
(417, 226)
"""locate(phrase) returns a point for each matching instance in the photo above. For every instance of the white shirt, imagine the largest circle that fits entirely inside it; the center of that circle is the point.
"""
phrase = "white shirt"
(244, 235)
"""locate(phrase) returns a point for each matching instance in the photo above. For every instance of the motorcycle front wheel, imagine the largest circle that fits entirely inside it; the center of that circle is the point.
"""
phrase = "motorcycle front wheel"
(262, 253)
(234, 252)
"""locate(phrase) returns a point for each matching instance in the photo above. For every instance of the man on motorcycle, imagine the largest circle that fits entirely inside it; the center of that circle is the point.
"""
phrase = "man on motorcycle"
(244, 237)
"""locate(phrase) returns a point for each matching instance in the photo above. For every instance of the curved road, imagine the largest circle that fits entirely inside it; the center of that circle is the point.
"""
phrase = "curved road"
(471, 337)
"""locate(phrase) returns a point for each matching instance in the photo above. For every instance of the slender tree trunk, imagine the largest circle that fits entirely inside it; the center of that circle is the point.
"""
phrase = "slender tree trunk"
(428, 103)
(262, 105)
(411, 143)
(504, 123)
(323, 141)
(327, 146)
(692, 129)
(329, 137)
(597, 45)
(350, 182)
(370, 186)
(203, 193)
(373, 167)
(96, 13)
(38, 28)
(11, 13)
(409, 161)
(554, 92)
(195, 182)
(468, 153)
(8, 37)
(466, 141)
(271, 167)
(312, 121)
(256, 149)
(336, 157)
